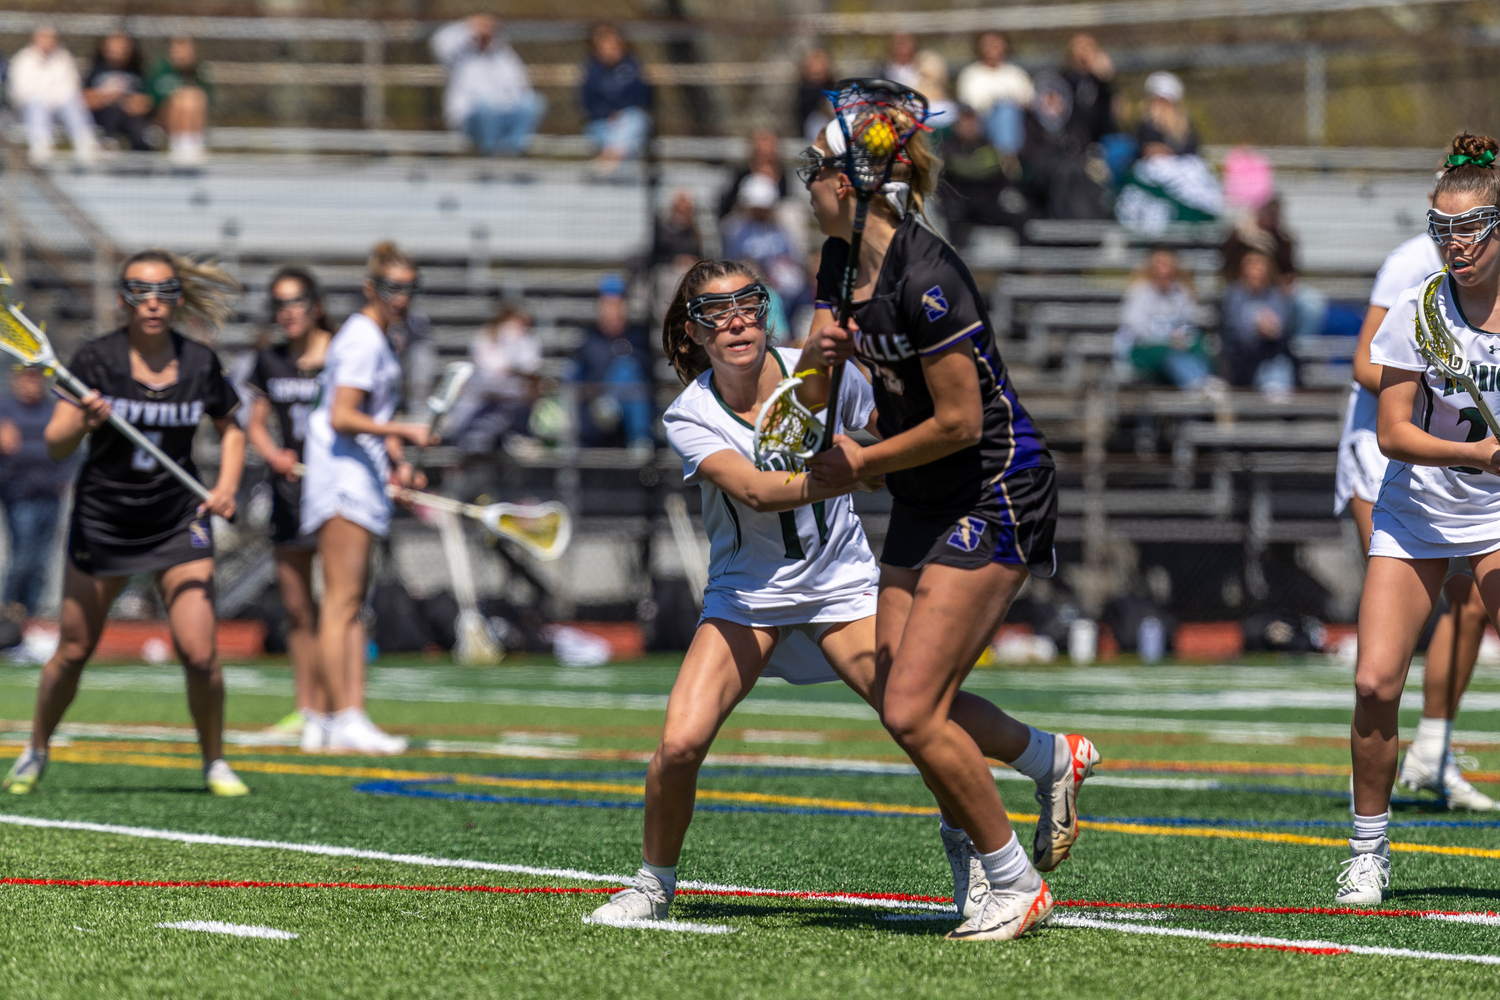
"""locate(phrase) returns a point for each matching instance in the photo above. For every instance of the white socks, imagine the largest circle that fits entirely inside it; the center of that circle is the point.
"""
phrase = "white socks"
(1370, 828)
(1008, 866)
(665, 874)
(1036, 762)
(1430, 744)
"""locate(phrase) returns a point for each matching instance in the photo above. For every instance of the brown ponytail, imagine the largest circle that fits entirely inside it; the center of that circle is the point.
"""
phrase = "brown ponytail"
(1470, 169)
(386, 255)
(687, 355)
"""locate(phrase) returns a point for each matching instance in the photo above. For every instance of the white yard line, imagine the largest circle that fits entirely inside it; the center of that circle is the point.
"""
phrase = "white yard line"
(679, 926)
(233, 930)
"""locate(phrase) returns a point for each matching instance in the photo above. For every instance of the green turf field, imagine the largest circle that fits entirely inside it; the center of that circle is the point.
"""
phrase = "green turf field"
(466, 867)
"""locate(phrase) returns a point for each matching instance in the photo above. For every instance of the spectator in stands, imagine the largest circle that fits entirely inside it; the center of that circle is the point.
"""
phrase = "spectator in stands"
(765, 160)
(1061, 173)
(755, 236)
(998, 91)
(676, 245)
(976, 189)
(1166, 129)
(613, 372)
(115, 91)
(44, 87)
(1257, 322)
(1090, 74)
(901, 60)
(1262, 230)
(31, 485)
(496, 402)
(1158, 332)
(182, 91)
(488, 97)
(932, 83)
(616, 99)
(815, 78)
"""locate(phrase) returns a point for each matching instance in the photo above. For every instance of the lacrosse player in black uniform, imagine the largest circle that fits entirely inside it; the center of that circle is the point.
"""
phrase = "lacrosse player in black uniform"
(130, 515)
(974, 513)
(285, 383)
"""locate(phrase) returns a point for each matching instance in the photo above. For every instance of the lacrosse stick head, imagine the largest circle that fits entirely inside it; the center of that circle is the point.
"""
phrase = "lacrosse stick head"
(1434, 340)
(543, 529)
(456, 375)
(787, 433)
(19, 336)
(876, 119)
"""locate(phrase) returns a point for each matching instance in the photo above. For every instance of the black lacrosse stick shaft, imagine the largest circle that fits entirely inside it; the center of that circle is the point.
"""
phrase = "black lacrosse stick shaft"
(846, 313)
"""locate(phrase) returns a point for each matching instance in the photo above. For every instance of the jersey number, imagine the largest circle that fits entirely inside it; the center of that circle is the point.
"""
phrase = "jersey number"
(1478, 429)
(892, 383)
(142, 460)
(789, 530)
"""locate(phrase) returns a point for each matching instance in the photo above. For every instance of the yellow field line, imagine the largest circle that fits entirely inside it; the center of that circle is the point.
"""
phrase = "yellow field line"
(80, 755)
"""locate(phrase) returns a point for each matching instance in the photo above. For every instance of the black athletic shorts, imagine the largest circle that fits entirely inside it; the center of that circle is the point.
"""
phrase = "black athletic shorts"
(1014, 524)
(286, 519)
(193, 540)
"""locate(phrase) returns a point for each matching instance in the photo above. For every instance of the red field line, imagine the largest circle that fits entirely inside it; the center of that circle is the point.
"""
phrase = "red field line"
(1283, 947)
(895, 897)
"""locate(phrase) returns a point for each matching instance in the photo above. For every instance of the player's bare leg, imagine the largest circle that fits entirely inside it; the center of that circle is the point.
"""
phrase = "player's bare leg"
(188, 592)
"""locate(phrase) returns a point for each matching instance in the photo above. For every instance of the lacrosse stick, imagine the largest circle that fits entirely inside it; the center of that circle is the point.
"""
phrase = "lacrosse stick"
(456, 375)
(27, 343)
(543, 529)
(474, 643)
(1437, 346)
(694, 566)
(877, 118)
(787, 433)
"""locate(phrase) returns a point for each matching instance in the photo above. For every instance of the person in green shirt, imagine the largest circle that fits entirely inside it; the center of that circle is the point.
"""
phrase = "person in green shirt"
(182, 92)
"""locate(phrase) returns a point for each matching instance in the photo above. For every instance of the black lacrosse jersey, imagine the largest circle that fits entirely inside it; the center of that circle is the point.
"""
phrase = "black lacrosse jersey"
(292, 391)
(925, 302)
(124, 496)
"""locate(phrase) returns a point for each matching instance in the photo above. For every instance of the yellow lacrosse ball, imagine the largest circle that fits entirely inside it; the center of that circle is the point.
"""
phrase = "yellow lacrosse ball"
(879, 138)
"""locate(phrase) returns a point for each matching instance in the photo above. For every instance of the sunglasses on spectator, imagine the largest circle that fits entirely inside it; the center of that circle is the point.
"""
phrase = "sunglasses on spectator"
(136, 292)
(387, 289)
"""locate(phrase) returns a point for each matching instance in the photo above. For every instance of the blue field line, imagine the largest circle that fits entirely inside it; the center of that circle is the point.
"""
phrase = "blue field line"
(425, 790)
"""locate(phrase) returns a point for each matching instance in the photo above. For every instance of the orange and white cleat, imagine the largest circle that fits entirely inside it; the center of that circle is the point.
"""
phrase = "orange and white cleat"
(1074, 758)
(1006, 914)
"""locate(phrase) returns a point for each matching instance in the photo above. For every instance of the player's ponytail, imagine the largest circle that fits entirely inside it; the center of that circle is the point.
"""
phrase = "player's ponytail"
(1471, 169)
(386, 255)
(208, 291)
(921, 174)
(687, 356)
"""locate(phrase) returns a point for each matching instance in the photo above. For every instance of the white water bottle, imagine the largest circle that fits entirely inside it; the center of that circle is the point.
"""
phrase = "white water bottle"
(1083, 641)
(1151, 639)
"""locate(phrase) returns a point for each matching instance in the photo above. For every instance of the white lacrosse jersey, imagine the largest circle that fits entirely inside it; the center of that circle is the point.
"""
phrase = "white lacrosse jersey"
(1442, 505)
(792, 567)
(1409, 264)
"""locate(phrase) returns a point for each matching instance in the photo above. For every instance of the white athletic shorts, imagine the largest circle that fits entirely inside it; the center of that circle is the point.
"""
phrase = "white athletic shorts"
(797, 657)
(1361, 468)
(1390, 538)
(370, 511)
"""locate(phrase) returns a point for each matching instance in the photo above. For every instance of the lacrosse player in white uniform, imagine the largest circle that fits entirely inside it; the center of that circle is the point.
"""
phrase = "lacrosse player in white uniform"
(792, 582)
(1440, 498)
(1429, 764)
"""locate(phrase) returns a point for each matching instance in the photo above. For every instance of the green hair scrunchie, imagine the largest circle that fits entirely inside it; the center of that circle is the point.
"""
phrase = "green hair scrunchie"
(1484, 159)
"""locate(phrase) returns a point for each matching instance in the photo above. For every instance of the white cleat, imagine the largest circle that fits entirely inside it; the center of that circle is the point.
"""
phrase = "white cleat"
(969, 883)
(24, 773)
(648, 899)
(315, 728)
(1006, 914)
(351, 731)
(1366, 874)
(1074, 758)
(1446, 780)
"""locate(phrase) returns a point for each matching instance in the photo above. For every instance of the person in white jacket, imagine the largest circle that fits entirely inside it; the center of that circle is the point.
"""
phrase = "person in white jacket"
(44, 86)
(489, 95)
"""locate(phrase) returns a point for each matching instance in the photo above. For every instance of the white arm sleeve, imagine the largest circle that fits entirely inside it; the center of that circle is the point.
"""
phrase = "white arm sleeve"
(1395, 343)
(450, 41)
(693, 440)
(359, 358)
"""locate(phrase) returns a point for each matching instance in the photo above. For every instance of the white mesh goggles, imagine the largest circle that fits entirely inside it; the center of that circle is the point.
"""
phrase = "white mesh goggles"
(1466, 228)
(716, 310)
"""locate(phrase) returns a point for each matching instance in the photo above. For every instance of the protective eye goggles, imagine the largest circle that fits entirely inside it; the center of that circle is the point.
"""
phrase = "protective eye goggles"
(388, 289)
(814, 163)
(136, 293)
(1466, 228)
(716, 310)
